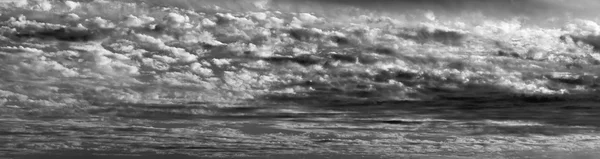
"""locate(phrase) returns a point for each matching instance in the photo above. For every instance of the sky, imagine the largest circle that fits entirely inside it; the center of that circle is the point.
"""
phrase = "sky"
(122, 71)
(498, 8)
(536, 9)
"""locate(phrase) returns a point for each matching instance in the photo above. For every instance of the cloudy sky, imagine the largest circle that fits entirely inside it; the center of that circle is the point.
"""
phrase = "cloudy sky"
(437, 77)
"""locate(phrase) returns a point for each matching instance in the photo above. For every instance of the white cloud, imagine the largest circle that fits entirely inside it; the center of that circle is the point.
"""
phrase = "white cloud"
(72, 5)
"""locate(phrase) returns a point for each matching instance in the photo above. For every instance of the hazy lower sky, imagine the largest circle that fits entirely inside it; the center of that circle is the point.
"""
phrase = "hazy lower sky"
(541, 9)
(535, 8)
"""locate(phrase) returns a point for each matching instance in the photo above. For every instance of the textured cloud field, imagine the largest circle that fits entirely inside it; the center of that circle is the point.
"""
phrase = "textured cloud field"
(229, 78)
(116, 52)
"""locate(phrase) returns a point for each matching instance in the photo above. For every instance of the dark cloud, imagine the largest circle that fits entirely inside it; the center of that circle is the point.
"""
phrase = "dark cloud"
(63, 34)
